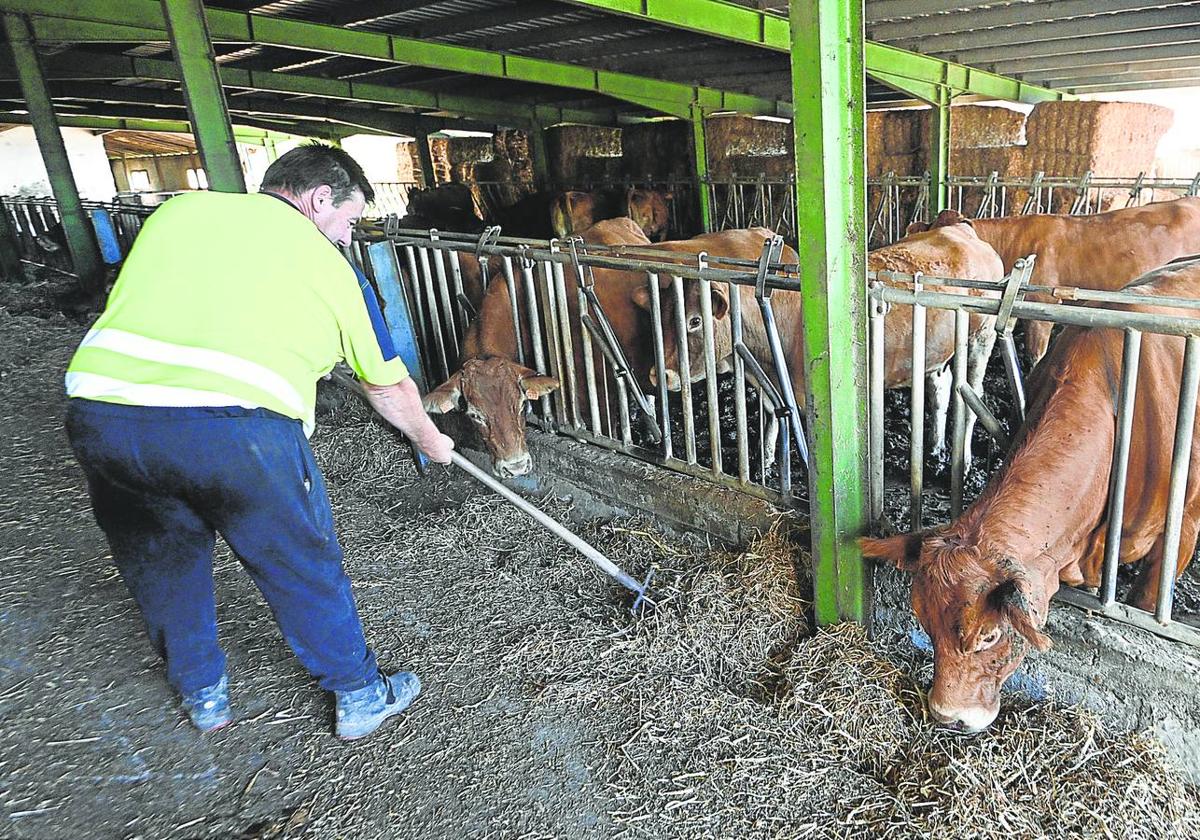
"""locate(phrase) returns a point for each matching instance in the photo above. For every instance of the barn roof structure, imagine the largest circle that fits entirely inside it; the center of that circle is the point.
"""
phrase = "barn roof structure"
(337, 67)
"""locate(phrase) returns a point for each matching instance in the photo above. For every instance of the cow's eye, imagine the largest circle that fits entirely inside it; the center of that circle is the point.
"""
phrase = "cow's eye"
(988, 640)
(477, 416)
(694, 323)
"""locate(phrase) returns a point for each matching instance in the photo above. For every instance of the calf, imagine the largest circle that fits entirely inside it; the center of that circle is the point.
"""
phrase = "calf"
(493, 387)
(950, 250)
(982, 584)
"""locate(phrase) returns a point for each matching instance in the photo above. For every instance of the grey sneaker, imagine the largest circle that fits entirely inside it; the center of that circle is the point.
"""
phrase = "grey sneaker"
(360, 712)
(209, 707)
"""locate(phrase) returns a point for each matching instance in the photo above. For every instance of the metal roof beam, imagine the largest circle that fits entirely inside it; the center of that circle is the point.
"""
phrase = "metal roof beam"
(666, 97)
(91, 66)
(1075, 75)
(490, 19)
(1118, 87)
(881, 10)
(1146, 78)
(1002, 15)
(963, 43)
(1133, 55)
(253, 135)
(761, 29)
(1021, 48)
(350, 14)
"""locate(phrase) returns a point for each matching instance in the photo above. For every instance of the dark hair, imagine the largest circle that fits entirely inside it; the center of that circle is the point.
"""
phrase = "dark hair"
(313, 165)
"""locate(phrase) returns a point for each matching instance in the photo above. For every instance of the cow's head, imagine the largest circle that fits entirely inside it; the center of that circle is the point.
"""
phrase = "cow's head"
(943, 219)
(694, 325)
(493, 393)
(982, 612)
(650, 210)
(571, 212)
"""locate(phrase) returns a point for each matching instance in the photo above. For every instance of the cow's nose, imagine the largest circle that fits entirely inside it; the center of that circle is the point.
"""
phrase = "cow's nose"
(672, 378)
(517, 465)
(966, 719)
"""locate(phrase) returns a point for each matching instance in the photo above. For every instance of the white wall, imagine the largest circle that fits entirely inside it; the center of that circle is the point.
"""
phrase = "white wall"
(23, 172)
(376, 155)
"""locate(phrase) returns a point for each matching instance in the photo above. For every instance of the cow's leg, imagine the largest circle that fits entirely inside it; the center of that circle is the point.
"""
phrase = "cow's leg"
(1145, 589)
(937, 391)
(979, 352)
(1037, 338)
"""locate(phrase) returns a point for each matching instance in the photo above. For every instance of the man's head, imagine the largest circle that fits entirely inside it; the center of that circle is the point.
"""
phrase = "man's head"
(326, 184)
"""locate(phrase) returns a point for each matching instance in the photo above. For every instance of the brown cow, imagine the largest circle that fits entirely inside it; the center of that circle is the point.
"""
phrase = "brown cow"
(575, 211)
(650, 210)
(982, 584)
(1104, 251)
(493, 387)
(949, 250)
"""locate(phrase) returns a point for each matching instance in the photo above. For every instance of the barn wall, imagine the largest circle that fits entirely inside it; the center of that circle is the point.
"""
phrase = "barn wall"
(24, 173)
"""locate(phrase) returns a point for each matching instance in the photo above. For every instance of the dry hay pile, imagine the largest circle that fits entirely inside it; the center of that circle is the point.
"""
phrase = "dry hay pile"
(898, 141)
(746, 147)
(510, 168)
(581, 153)
(982, 126)
(717, 713)
(651, 150)
(454, 158)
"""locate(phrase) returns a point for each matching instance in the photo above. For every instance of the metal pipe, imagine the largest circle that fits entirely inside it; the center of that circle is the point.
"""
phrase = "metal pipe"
(660, 363)
(1181, 459)
(959, 443)
(989, 421)
(877, 309)
(739, 387)
(685, 372)
(550, 308)
(515, 308)
(535, 329)
(710, 374)
(1131, 357)
(1012, 367)
(443, 287)
(589, 364)
(916, 449)
(435, 321)
(568, 343)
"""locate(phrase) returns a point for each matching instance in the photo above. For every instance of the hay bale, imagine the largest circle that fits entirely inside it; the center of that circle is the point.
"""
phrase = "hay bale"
(1112, 139)
(736, 135)
(982, 161)
(569, 145)
(980, 126)
(658, 150)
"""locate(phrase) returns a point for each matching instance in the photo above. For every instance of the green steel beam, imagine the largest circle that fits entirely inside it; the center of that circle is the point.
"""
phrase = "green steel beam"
(939, 155)
(81, 236)
(88, 65)
(539, 158)
(244, 134)
(700, 166)
(828, 90)
(674, 98)
(203, 94)
(744, 25)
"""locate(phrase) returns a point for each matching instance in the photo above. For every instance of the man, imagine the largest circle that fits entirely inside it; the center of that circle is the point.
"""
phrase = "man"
(191, 401)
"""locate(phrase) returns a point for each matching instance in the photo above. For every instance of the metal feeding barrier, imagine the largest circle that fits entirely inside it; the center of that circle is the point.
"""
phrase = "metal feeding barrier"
(994, 195)
(1007, 305)
(564, 328)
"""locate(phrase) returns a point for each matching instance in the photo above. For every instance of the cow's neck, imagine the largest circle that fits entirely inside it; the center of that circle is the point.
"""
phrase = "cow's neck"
(1007, 237)
(1042, 507)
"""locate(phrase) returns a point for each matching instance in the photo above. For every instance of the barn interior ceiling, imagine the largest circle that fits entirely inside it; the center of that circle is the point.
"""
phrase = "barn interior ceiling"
(404, 66)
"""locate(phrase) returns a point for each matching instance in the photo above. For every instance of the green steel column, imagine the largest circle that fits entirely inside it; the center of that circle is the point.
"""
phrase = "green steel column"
(81, 236)
(538, 156)
(425, 155)
(700, 163)
(828, 90)
(939, 152)
(188, 31)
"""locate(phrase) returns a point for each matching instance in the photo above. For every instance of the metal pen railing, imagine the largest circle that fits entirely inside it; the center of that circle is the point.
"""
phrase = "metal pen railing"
(912, 291)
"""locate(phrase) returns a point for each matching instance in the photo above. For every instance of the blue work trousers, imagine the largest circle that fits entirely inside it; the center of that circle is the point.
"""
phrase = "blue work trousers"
(163, 481)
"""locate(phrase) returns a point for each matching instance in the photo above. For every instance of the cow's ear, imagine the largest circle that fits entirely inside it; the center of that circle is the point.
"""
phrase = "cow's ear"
(641, 296)
(950, 217)
(720, 300)
(916, 227)
(537, 386)
(668, 196)
(902, 550)
(444, 397)
(1013, 598)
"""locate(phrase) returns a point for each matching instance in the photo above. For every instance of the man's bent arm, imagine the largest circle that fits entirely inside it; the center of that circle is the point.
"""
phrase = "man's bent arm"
(400, 405)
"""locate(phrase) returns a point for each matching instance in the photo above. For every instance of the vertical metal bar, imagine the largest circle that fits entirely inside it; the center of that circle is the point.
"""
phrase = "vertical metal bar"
(514, 306)
(700, 163)
(1181, 458)
(685, 377)
(448, 306)
(1131, 357)
(959, 442)
(589, 366)
(459, 292)
(739, 384)
(10, 255)
(664, 411)
(421, 306)
(876, 361)
(916, 451)
(550, 309)
(710, 375)
(187, 30)
(81, 237)
(435, 319)
(535, 327)
(623, 411)
(828, 92)
(570, 387)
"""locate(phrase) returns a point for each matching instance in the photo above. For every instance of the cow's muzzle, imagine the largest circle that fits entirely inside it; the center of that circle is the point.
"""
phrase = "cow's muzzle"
(517, 465)
(673, 383)
(966, 719)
